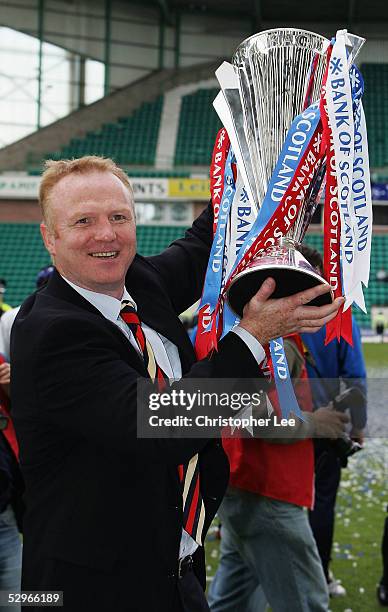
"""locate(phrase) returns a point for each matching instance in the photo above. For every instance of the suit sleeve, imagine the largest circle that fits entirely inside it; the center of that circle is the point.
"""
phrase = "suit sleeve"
(86, 391)
(182, 266)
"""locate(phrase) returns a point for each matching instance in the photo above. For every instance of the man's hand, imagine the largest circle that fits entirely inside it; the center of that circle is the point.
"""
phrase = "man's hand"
(328, 423)
(5, 373)
(267, 318)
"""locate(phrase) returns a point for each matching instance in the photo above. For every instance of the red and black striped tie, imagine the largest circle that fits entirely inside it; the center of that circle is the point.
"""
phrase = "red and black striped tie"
(193, 506)
(129, 315)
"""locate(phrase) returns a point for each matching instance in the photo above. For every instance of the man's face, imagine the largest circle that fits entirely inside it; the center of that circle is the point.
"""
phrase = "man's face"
(92, 233)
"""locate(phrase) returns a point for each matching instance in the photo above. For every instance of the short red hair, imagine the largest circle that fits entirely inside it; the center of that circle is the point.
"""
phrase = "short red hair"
(56, 170)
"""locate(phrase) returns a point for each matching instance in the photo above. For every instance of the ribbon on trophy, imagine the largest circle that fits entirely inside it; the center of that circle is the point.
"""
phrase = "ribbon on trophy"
(217, 172)
(332, 221)
(348, 205)
(206, 337)
(241, 219)
(361, 196)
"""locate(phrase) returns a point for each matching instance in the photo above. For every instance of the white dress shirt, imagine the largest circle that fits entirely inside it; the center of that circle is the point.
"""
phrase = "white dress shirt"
(166, 355)
(6, 323)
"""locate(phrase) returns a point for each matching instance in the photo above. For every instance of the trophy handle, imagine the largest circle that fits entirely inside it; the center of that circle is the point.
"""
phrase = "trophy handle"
(355, 42)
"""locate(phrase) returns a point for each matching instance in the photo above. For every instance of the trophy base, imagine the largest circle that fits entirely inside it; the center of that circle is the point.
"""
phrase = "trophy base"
(290, 278)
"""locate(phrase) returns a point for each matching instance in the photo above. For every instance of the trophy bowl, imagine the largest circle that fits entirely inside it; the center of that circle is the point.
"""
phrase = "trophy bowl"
(287, 266)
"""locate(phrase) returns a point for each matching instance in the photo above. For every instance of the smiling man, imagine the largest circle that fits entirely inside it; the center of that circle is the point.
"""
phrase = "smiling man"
(105, 519)
(89, 225)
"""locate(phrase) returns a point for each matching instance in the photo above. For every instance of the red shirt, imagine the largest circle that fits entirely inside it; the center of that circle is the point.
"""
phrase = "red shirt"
(281, 471)
(9, 431)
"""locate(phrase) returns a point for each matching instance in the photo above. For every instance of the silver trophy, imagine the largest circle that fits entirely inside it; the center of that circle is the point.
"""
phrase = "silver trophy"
(272, 75)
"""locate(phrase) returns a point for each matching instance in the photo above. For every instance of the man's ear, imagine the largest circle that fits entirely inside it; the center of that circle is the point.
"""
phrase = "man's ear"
(48, 238)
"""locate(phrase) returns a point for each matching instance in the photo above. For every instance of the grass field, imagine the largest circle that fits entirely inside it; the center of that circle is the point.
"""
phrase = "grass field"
(360, 515)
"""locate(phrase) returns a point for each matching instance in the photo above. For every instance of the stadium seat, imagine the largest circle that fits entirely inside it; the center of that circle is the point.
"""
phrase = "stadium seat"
(130, 141)
(376, 112)
(23, 253)
(198, 126)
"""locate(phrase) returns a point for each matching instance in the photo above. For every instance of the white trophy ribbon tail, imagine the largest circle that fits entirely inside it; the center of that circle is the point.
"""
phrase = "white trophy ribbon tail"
(340, 111)
(356, 296)
(362, 204)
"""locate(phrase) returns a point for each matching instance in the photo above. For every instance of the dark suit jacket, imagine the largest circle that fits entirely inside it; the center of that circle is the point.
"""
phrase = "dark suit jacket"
(104, 510)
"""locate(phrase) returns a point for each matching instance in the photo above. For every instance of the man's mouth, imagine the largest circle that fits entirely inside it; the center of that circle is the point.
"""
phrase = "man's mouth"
(105, 254)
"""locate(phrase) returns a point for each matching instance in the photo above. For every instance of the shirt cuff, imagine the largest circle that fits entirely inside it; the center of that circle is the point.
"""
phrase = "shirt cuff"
(251, 342)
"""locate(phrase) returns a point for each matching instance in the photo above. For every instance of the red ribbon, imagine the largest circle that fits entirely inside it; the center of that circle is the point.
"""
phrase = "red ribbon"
(217, 172)
(341, 325)
(205, 340)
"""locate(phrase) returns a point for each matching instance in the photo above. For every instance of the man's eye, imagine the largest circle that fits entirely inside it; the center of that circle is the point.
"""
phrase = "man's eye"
(119, 217)
(82, 221)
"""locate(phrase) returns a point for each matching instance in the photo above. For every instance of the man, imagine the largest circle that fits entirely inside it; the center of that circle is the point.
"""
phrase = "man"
(263, 514)
(379, 325)
(104, 509)
(331, 367)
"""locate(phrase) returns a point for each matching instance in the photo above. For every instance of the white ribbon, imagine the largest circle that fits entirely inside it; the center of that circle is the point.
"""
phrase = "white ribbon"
(340, 112)
(361, 204)
(242, 217)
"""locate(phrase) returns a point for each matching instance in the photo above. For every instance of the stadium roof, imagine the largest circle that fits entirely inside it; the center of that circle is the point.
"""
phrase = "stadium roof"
(350, 12)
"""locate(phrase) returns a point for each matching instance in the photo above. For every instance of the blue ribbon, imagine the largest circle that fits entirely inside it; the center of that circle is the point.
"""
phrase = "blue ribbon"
(285, 168)
(357, 86)
(286, 394)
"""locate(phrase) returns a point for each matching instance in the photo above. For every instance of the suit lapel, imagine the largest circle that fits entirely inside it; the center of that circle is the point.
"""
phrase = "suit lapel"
(57, 287)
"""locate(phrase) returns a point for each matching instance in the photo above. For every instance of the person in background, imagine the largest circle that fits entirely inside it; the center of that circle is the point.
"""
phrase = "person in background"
(9, 316)
(329, 369)
(382, 587)
(267, 549)
(380, 323)
(3, 306)
(11, 487)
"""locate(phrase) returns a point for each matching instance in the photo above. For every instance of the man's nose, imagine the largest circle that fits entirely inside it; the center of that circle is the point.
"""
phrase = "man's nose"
(104, 230)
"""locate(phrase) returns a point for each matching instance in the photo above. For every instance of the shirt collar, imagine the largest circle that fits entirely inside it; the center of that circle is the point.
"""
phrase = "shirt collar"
(106, 304)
